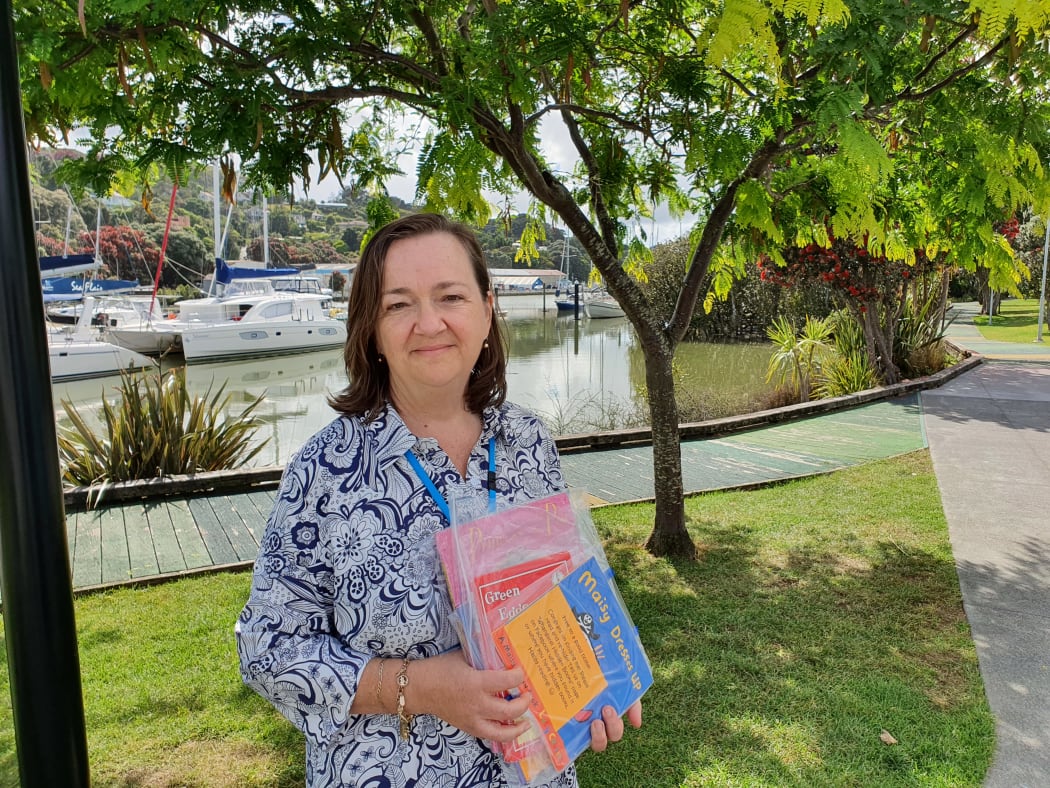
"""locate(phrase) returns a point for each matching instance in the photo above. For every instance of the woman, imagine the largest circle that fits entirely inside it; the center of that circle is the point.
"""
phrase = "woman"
(348, 629)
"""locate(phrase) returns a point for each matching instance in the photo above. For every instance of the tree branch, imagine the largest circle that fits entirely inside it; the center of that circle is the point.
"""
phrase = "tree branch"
(712, 235)
(965, 33)
(577, 109)
(909, 95)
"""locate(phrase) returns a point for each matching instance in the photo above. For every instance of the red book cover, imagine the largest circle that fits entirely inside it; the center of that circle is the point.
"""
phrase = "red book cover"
(504, 594)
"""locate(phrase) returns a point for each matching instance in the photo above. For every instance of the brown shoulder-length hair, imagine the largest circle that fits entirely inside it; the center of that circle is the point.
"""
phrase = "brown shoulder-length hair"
(369, 386)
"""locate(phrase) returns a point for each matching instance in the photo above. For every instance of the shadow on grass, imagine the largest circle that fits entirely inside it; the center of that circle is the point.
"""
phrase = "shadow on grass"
(1009, 321)
(785, 673)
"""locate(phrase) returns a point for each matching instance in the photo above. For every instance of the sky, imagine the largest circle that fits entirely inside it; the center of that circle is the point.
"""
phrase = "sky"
(558, 150)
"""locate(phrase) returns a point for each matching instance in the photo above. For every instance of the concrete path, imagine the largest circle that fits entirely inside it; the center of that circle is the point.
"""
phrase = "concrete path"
(989, 437)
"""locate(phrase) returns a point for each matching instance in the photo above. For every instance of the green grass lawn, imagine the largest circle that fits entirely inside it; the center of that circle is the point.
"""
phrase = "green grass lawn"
(1017, 322)
(821, 613)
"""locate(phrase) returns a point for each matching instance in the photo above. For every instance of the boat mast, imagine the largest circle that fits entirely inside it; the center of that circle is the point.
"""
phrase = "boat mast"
(266, 233)
(217, 219)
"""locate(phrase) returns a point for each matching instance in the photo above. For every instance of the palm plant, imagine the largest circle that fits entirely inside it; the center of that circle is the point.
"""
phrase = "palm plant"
(919, 344)
(156, 429)
(798, 357)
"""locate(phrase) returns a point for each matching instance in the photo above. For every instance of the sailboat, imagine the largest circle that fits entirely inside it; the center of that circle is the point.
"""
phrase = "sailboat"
(246, 317)
(603, 306)
(77, 352)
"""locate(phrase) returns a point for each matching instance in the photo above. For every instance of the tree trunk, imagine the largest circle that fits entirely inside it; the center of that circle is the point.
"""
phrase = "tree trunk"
(669, 536)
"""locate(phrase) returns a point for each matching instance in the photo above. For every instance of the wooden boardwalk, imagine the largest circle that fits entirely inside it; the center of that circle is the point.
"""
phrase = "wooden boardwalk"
(167, 537)
(162, 538)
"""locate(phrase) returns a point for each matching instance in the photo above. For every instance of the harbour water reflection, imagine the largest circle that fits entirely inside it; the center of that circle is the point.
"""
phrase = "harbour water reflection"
(579, 375)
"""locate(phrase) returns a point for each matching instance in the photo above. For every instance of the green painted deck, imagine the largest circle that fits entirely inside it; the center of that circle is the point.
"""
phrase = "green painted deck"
(817, 444)
(148, 541)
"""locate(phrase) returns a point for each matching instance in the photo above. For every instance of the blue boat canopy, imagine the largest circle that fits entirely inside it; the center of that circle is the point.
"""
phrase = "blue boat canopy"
(224, 273)
(68, 264)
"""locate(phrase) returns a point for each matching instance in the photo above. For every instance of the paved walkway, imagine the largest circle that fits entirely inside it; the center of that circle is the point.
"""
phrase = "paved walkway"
(989, 437)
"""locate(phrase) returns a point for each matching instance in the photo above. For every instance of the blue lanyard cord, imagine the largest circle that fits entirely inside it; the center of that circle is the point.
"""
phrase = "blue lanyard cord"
(435, 493)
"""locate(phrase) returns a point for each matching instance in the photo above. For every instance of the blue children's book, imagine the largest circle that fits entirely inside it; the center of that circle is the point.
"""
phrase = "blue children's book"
(580, 652)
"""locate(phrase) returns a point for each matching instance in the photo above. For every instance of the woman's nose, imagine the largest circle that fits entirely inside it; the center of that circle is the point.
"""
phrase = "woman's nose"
(430, 320)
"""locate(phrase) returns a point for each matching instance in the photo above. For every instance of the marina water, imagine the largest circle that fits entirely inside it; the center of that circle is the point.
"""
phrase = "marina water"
(581, 375)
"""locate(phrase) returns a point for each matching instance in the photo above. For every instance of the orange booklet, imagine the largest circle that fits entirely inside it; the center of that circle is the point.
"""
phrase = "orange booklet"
(504, 594)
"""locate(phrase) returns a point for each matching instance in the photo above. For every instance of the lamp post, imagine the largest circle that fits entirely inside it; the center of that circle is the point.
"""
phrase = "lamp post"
(1042, 289)
(39, 627)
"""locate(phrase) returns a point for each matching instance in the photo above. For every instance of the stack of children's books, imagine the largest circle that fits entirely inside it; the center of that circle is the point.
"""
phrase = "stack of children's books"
(532, 588)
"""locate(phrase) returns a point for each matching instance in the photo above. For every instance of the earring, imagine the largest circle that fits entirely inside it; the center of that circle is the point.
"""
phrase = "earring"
(485, 344)
(381, 358)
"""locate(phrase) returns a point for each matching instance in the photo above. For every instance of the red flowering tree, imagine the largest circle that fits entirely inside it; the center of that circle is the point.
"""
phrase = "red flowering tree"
(310, 254)
(47, 246)
(873, 288)
(125, 251)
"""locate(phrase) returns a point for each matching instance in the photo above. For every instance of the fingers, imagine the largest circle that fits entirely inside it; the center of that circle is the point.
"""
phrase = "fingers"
(504, 731)
(498, 681)
(634, 714)
(610, 727)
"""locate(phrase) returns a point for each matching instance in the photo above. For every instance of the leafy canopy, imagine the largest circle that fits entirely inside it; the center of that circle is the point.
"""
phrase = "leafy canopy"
(911, 124)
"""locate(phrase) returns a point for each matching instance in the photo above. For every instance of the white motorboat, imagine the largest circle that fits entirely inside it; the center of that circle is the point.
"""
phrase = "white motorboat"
(139, 324)
(603, 307)
(252, 319)
(76, 358)
(150, 337)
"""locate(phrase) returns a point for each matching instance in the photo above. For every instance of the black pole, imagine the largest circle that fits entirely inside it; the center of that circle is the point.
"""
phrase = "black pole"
(39, 627)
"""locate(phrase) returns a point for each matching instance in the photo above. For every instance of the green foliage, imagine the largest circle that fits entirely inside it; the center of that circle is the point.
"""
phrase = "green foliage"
(451, 176)
(744, 312)
(846, 374)
(799, 356)
(901, 126)
(849, 368)
(180, 292)
(919, 348)
(380, 213)
(534, 232)
(157, 429)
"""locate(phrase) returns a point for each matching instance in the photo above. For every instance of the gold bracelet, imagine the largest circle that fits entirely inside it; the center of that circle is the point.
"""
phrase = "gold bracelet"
(402, 681)
(379, 685)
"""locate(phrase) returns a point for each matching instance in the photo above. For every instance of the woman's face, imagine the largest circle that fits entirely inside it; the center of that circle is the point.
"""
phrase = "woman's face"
(433, 318)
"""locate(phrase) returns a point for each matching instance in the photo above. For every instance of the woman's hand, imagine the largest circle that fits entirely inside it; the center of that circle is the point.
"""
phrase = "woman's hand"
(472, 700)
(610, 726)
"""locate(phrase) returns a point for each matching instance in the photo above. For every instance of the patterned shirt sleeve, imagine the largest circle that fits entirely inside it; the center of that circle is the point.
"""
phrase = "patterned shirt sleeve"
(289, 651)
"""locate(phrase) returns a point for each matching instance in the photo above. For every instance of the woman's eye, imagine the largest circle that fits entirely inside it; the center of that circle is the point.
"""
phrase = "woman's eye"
(395, 306)
(453, 297)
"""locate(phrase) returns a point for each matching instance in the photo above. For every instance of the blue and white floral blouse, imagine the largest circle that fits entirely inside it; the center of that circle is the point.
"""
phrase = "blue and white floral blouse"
(348, 571)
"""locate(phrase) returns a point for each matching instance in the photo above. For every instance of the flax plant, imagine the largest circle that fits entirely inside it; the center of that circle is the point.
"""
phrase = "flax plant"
(849, 368)
(156, 430)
